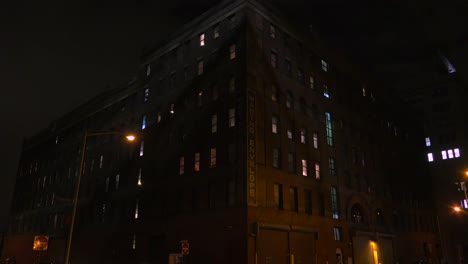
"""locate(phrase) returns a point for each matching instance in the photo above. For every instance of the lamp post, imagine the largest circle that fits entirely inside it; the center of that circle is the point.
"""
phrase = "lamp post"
(78, 182)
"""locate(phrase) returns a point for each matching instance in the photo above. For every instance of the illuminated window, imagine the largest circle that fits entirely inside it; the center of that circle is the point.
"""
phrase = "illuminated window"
(216, 31)
(278, 195)
(142, 148)
(304, 167)
(363, 91)
(315, 139)
(232, 117)
(146, 95)
(289, 134)
(200, 67)
(332, 166)
(232, 51)
(272, 31)
(289, 99)
(117, 181)
(232, 85)
(464, 203)
(326, 91)
(143, 122)
(274, 124)
(450, 154)
(456, 152)
(329, 128)
(202, 40)
(159, 117)
(101, 161)
(139, 183)
(213, 158)
(276, 158)
(172, 110)
(291, 163)
(311, 82)
(197, 162)
(337, 233)
(200, 98)
(181, 166)
(136, 209)
(274, 93)
(335, 204)
(324, 66)
(274, 59)
(293, 199)
(430, 157)
(148, 70)
(317, 170)
(214, 123)
(444, 154)
(134, 241)
(303, 135)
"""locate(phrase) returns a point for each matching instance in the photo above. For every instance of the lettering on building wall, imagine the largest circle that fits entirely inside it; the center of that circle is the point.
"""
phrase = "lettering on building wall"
(251, 151)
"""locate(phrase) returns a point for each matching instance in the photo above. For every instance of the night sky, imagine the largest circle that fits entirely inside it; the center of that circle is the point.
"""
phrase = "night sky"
(56, 55)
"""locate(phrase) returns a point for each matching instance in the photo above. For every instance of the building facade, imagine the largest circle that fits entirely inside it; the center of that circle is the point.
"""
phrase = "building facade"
(255, 144)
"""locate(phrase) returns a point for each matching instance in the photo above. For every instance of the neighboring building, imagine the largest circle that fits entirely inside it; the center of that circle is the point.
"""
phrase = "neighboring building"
(255, 144)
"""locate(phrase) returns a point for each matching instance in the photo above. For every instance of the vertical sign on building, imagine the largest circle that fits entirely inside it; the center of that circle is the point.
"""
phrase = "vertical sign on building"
(251, 150)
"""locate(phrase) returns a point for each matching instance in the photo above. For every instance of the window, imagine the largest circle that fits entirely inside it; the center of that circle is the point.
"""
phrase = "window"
(430, 157)
(142, 148)
(276, 158)
(159, 117)
(146, 95)
(289, 133)
(274, 59)
(450, 154)
(272, 31)
(304, 167)
(311, 82)
(232, 117)
(197, 162)
(321, 204)
(364, 91)
(232, 84)
(214, 124)
(274, 124)
(117, 181)
(181, 165)
(329, 128)
(200, 67)
(300, 75)
(172, 110)
(215, 93)
(308, 201)
(326, 91)
(324, 66)
(332, 166)
(293, 199)
(143, 122)
(148, 70)
(136, 210)
(202, 40)
(289, 99)
(139, 182)
(231, 153)
(356, 214)
(232, 51)
(456, 152)
(444, 154)
(317, 170)
(287, 63)
(335, 204)
(315, 139)
(337, 233)
(213, 158)
(291, 163)
(107, 184)
(303, 135)
(216, 31)
(200, 98)
(231, 192)
(274, 93)
(101, 161)
(278, 195)
(134, 242)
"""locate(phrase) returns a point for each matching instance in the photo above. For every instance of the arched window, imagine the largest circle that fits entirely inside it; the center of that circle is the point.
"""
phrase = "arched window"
(356, 214)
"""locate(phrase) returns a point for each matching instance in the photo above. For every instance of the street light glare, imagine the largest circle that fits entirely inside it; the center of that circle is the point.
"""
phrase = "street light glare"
(130, 137)
(456, 209)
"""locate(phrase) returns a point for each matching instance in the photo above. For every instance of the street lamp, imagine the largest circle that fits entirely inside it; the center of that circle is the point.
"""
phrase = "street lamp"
(129, 137)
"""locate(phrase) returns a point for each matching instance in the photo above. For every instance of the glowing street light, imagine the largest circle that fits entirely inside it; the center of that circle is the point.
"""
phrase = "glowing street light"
(130, 137)
(457, 209)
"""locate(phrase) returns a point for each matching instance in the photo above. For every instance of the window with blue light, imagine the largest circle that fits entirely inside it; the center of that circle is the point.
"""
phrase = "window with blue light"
(326, 91)
(143, 122)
